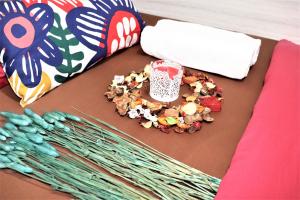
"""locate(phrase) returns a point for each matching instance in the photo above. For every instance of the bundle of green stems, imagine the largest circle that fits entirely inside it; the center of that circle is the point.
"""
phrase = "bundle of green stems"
(119, 154)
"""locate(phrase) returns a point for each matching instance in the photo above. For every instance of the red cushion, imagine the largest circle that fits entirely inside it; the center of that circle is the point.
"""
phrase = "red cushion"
(3, 80)
(266, 164)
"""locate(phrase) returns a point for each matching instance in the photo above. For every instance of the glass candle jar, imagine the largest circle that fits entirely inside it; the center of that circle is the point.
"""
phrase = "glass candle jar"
(165, 80)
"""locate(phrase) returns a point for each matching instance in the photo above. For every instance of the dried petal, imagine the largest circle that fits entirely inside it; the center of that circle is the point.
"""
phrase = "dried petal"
(110, 95)
(155, 124)
(189, 79)
(179, 130)
(190, 119)
(187, 72)
(119, 79)
(135, 94)
(194, 84)
(140, 85)
(186, 95)
(183, 125)
(219, 91)
(133, 74)
(192, 130)
(189, 108)
(171, 113)
(140, 78)
(211, 102)
(135, 103)
(119, 91)
(200, 75)
(114, 83)
(163, 121)
(144, 102)
(200, 109)
(211, 80)
(154, 106)
(197, 125)
(147, 124)
(206, 111)
(122, 103)
(191, 99)
(204, 92)
(128, 79)
(153, 118)
(133, 84)
(124, 99)
(165, 130)
(122, 109)
(198, 88)
(133, 114)
(147, 70)
(181, 120)
(208, 118)
(210, 85)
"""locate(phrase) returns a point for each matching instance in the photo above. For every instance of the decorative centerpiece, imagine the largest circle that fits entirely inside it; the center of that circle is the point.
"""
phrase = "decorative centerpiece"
(188, 116)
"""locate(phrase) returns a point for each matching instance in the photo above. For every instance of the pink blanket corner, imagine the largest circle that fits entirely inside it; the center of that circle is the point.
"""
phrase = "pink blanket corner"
(266, 164)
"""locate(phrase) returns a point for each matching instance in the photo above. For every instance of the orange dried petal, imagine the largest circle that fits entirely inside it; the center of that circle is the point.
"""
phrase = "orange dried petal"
(189, 79)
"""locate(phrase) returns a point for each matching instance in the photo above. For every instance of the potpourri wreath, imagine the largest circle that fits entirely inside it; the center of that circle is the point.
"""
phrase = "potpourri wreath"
(205, 97)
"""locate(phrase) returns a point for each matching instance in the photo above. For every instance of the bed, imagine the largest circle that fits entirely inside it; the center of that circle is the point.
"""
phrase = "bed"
(209, 150)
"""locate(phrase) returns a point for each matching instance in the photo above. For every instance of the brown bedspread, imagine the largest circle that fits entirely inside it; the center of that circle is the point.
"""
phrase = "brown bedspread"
(209, 150)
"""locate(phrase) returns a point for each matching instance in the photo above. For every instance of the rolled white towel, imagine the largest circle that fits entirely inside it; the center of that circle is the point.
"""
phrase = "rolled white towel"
(201, 47)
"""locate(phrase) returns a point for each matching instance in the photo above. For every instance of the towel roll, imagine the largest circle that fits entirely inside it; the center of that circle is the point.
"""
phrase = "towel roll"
(201, 47)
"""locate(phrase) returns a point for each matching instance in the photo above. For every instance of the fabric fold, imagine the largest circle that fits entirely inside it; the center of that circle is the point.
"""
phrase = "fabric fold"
(3, 79)
(201, 47)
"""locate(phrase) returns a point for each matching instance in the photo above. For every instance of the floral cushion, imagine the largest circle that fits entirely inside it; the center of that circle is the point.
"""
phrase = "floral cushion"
(3, 80)
(47, 41)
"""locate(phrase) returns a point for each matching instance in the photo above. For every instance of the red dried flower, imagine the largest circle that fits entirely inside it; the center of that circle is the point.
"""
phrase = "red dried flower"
(211, 102)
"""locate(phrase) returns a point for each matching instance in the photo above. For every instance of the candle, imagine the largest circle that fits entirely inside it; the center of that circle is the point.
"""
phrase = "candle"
(165, 80)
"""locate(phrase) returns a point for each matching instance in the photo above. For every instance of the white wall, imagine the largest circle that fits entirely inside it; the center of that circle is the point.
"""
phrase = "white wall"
(276, 19)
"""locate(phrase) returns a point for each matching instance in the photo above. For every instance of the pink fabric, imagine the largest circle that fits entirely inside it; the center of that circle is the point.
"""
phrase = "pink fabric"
(3, 80)
(266, 164)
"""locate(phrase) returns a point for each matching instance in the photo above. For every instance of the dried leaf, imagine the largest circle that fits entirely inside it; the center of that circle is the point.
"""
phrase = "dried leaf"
(171, 121)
